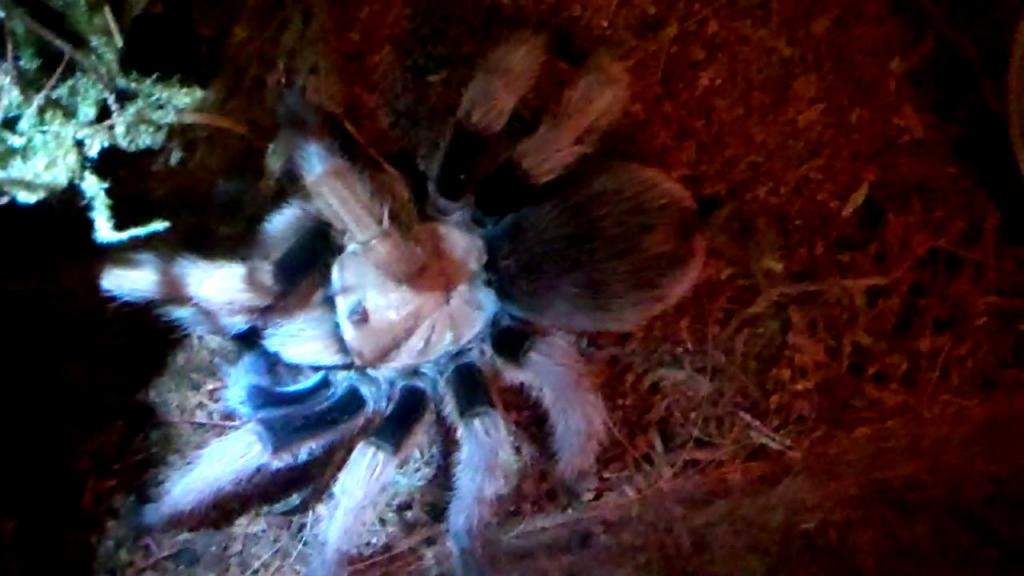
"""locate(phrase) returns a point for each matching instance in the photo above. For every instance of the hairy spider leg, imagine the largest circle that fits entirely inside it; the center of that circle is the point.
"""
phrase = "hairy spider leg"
(275, 292)
(259, 381)
(587, 109)
(308, 336)
(288, 425)
(226, 294)
(313, 248)
(242, 467)
(264, 397)
(358, 490)
(485, 464)
(553, 372)
(500, 82)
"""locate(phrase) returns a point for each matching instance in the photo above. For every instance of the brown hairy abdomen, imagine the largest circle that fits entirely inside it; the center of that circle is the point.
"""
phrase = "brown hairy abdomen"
(604, 255)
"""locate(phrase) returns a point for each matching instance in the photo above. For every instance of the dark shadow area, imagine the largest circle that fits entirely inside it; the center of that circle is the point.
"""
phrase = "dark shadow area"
(963, 81)
(71, 420)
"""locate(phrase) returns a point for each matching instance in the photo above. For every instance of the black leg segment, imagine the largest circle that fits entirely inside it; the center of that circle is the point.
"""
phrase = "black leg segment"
(464, 152)
(399, 423)
(263, 398)
(313, 248)
(248, 338)
(504, 190)
(511, 340)
(284, 428)
(470, 390)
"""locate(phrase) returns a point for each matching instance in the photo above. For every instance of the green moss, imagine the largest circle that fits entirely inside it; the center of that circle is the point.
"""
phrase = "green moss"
(52, 130)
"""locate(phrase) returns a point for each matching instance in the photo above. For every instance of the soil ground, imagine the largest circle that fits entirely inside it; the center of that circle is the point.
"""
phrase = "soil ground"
(842, 394)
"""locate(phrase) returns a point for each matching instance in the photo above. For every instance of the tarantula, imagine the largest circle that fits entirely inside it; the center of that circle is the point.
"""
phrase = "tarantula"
(390, 311)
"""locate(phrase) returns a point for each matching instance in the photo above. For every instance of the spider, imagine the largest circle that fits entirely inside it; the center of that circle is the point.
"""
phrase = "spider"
(361, 318)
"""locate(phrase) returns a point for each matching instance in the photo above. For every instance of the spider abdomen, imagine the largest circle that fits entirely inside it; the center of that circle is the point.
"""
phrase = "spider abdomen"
(604, 255)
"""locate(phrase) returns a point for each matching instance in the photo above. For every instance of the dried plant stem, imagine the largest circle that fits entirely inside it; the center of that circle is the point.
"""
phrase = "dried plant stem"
(214, 120)
(688, 487)
(414, 540)
(768, 298)
(38, 100)
(115, 31)
(9, 52)
(264, 559)
(20, 183)
(302, 539)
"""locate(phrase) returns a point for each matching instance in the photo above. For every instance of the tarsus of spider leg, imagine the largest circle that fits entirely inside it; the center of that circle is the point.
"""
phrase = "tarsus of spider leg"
(229, 292)
(485, 468)
(587, 109)
(232, 470)
(558, 377)
(501, 80)
(358, 490)
(308, 337)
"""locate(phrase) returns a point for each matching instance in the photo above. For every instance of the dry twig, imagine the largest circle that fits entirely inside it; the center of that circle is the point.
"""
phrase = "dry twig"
(214, 120)
(264, 559)
(766, 299)
(115, 31)
(41, 96)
